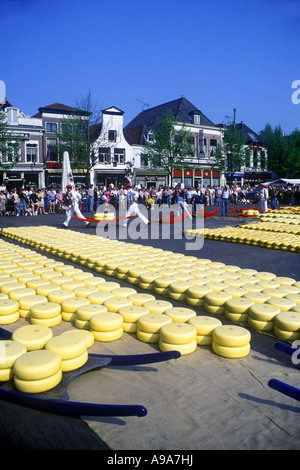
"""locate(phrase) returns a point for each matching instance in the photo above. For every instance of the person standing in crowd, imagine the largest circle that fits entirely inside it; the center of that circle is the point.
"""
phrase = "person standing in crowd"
(59, 198)
(272, 195)
(90, 198)
(41, 202)
(225, 200)
(71, 201)
(22, 202)
(2, 203)
(264, 196)
(51, 201)
(34, 202)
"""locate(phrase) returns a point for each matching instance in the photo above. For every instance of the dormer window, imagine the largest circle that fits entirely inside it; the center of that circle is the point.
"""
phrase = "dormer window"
(12, 114)
(196, 118)
(112, 136)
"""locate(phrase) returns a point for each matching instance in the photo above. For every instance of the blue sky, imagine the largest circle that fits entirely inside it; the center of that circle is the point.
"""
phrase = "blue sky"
(220, 55)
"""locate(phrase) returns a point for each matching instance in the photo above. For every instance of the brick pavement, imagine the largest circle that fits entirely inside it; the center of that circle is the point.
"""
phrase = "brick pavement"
(27, 429)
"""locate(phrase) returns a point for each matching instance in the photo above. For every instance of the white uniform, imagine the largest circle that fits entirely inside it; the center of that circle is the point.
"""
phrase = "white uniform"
(264, 195)
(134, 207)
(74, 208)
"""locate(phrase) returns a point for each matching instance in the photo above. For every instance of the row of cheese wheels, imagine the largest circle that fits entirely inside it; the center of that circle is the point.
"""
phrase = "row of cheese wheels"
(160, 284)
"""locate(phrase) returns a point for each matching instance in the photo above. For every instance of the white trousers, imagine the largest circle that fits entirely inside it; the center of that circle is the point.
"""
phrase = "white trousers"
(264, 204)
(134, 209)
(184, 207)
(73, 209)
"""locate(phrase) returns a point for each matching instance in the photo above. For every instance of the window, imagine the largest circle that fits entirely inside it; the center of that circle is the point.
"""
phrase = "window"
(104, 155)
(12, 114)
(196, 118)
(112, 136)
(255, 159)
(213, 143)
(119, 155)
(52, 154)
(150, 137)
(31, 153)
(51, 127)
(144, 160)
(263, 161)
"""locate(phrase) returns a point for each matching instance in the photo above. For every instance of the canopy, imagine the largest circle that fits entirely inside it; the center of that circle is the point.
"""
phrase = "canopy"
(283, 181)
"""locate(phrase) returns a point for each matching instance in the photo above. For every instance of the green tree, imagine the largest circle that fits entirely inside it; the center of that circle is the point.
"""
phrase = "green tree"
(170, 147)
(9, 145)
(230, 156)
(74, 138)
(277, 147)
(293, 143)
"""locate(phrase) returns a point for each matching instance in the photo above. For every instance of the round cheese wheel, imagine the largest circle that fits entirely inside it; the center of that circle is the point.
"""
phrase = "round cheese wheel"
(157, 306)
(178, 333)
(35, 283)
(180, 314)
(106, 336)
(204, 325)
(38, 386)
(266, 276)
(139, 299)
(235, 292)
(194, 302)
(53, 321)
(8, 306)
(11, 318)
(32, 336)
(231, 352)
(124, 292)
(294, 298)
(179, 287)
(94, 281)
(45, 310)
(58, 280)
(58, 296)
(236, 317)
(285, 281)
(85, 312)
(283, 304)
(86, 335)
(10, 351)
(106, 321)
(71, 285)
(8, 287)
(289, 321)
(204, 340)
(36, 365)
(17, 294)
(25, 303)
(74, 363)
(152, 322)
(82, 276)
(247, 272)
(130, 327)
(115, 303)
(70, 317)
(231, 336)
(286, 335)
(6, 375)
(239, 305)
(217, 298)
(27, 277)
(214, 309)
(132, 313)
(66, 346)
(163, 282)
(147, 337)
(99, 297)
(46, 289)
(108, 286)
(260, 325)
(70, 305)
(184, 349)
(216, 286)
(85, 291)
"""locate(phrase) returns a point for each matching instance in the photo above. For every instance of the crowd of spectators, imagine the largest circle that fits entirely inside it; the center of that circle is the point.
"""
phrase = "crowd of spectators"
(34, 202)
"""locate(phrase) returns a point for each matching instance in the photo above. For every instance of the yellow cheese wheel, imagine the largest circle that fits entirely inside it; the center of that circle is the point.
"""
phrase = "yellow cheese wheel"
(50, 274)
(85, 291)
(66, 346)
(71, 285)
(236, 317)
(152, 322)
(36, 365)
(8, 306)
(106, 321)
(106, 336)
(83, 276)
(157, 306)
(204, 325)
(235, 292)
(35, 283)
(3, 296)
(38, 386)
(163, 282)
(45, 310)
(204, 340)
(32, 336)
(25, 303)
(27, 277)
(247, 272)
(53, 321)
(231, 335)
(216, 286)
(6, 375)
(147, 337)
(179, 287)
(217, 298)
(294, 298)
(99, 297)
(180, 314)
(46, 289)
(74, 363)
(265, 276)
(10, 351)
(130, 327)
(18, 294)
(124, 292)
(70, 317)
(132, 313)
(184, 349)
(70, 305)
(178, 333)
(289, 321)
(285, 281)
(11, 318)
(85, 312)
(231, 352)
(260, 325)
(58, 296)
(39, 270)
(108, 286)
(94, 281)
(86, 335)
(139, 299)
(58, 280)
(239, 305)
(286, 335)
(269, 284)
(115, 303)
(214, 309)
(194, 302)
(8, 287)
(283, 304)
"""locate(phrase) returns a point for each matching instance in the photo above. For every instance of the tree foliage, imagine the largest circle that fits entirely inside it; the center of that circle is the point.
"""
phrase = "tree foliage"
(10, 144)
(74, 138)
(170, 147)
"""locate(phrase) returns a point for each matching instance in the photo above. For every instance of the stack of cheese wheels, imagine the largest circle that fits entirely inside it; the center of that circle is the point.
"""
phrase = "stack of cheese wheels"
(115, 303)
(37, 371)
(8, 283)
(60, 295)
(133, 275)
(70, 305)
(9, 311)
(19, 293)
(131, 316)
(214, 302)
(287, 325)
(140, 298)
(161, 284)
(99, 297)
(72, 351)
(180, 314)
(148, 326)
(146, 280)
(178, 336)
(85, 291)
(237, 309)
(10, 351)
(107, 326)
(157, 306)
(177, 290)
(261, 316)
(195, 295)
(108, 286)
(204, 327)
(25, 304)
(45, 313)
(283, 304)
(32, 336)
(85, 313)
(82, 333)
(35, 283)
(123, 292)
(231, 341)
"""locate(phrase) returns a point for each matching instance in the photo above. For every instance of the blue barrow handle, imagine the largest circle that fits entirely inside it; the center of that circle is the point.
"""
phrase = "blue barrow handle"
(284, 388)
